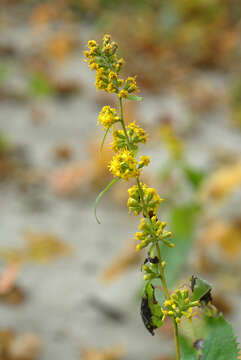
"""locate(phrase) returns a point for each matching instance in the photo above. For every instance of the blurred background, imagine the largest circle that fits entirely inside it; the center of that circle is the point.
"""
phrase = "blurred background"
(70, 288)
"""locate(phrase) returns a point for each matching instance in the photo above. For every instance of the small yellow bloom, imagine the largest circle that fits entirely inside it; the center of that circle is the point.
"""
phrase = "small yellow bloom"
(106, 38)
(145, 161)
(123, 94)
(92, 43)
(108, 117)
(138, 247)
(124, 165)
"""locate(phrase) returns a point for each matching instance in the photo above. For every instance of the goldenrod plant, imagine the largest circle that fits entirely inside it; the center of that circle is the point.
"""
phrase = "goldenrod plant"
(182, 303)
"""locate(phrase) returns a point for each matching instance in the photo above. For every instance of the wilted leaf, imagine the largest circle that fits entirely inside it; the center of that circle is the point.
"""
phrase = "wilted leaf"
(151, 311)
(70, 179)
(114, 353)
(221, 183)
(8, 277)
(26, 346)
(129, 257)
(60, 46)
(45, 247)
(14, 296)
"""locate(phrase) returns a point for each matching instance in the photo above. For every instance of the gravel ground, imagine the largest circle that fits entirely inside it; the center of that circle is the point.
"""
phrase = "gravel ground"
(60, 306)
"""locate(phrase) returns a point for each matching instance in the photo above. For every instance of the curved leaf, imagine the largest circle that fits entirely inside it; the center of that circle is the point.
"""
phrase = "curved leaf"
(101, 194)
(103, 140)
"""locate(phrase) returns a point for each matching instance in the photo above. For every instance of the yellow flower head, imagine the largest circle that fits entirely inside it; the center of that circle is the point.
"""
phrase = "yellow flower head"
(124, 165)
(108, 117)
(104, 58)
(180, 306)
(137, 133)
(144, 161)
(119, 141)
(151, 199)
(123, 93)
(130, 85)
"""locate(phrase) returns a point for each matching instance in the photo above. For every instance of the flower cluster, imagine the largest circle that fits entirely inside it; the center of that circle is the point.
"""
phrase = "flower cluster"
(103, 59)
(108, 117)
(180, 306)
(124, 165)
(152, 232)
(150, 196)
(135, 134)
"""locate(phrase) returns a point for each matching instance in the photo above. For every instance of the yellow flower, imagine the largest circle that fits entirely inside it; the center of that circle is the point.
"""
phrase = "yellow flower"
(108, 117)
(124, 165)
(119, 141)
(145, 161)
(106, 38)
(151, 199)
(92, 43)
(138, 134)
(123, 94)
(130, 85)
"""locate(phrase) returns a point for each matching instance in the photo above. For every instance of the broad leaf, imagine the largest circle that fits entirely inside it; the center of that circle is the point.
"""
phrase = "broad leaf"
(188, 352)
(181, 223)
(221, 342)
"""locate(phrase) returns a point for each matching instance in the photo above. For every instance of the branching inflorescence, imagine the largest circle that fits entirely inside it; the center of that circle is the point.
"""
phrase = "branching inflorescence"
(143, 200)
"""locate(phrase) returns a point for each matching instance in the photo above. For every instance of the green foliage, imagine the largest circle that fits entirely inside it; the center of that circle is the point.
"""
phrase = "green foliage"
(103, 140)
(221, 342)
(182, 222)
(40, 85)
(187, 350)
(200, 289)
(151, 310)
(134, 98)
(101, 194)
(194, 176)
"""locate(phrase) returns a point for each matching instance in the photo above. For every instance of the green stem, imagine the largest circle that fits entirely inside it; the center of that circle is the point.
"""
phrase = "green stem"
(177, 340)
(145, 211)
(123, 124)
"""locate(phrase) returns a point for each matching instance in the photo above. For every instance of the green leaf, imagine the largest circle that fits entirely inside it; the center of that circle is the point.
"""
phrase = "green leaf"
(188, 352)
(221, 342)
(103, 140)
(40, 85)
(134, 98)
(151, 310)
(101, 194)
(181, 223)
(200, 289)
(194, 176)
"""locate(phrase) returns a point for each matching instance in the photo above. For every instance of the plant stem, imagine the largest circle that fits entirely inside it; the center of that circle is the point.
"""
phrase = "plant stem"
(145, 211)
(123, 124)
(177, 340)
